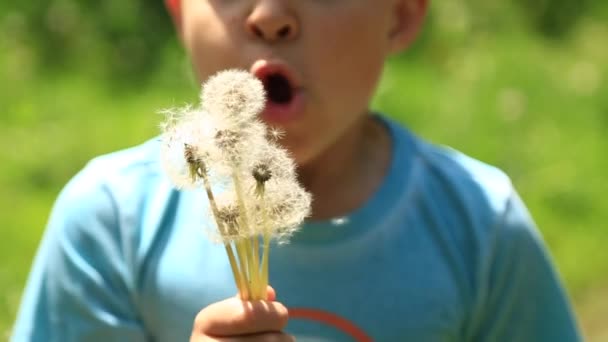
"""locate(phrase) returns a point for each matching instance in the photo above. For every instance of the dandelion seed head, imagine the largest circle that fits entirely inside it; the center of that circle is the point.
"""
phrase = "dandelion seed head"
(227, 226)
(287, 205)
(261, 173)
(186, 150)
(172, 150)
(223, 142)
(236, 145)
(223, 228)
(227, 139)
(229, 217)
(234, 94)
(274, 158)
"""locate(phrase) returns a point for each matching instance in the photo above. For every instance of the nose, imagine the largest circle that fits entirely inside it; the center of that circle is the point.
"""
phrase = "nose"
(271, 21)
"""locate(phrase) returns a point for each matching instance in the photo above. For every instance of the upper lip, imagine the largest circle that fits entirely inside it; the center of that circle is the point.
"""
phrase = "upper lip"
(262, 68)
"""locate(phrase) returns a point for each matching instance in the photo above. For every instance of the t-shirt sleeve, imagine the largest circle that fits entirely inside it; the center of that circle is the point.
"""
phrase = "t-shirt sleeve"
(80, 287)
(522, 298)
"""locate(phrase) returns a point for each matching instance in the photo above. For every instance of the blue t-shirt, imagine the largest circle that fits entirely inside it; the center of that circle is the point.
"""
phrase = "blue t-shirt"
(444, 250)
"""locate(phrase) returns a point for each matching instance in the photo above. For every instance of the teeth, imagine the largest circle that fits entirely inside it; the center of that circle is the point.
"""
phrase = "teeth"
(278, 89)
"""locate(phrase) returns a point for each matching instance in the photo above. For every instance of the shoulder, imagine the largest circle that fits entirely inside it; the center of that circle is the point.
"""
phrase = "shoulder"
(483, 189)
(135, 162)
(465, 177)
(470, 202)
(108, 189)
(449, 176)
(111, 172)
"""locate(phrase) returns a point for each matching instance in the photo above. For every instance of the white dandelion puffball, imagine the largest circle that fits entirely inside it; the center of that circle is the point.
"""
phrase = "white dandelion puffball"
(235, 94)
(174, 142)
(222, 147)
(287, 204)
(187, 147)
(226, 224)
(275, 159)
(237, 143)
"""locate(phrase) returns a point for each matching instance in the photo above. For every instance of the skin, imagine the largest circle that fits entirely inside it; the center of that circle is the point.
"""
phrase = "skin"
(337, 48)
(236, 320)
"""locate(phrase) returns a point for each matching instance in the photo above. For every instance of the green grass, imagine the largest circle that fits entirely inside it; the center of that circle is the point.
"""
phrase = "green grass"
(51, 125)
(528, 106)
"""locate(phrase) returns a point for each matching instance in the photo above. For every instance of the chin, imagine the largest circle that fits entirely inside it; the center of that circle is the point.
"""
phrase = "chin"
(304, 158)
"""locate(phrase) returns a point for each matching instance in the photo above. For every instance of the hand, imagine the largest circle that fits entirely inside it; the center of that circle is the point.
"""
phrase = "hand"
(236, 320)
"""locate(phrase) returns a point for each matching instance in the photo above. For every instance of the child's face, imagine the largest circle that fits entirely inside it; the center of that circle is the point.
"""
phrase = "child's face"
(320, 60)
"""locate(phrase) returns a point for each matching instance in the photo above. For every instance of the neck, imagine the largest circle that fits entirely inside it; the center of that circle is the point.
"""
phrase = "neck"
(347, 173)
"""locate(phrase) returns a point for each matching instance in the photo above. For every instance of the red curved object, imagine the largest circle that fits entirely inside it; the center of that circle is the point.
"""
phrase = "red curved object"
(333, 320)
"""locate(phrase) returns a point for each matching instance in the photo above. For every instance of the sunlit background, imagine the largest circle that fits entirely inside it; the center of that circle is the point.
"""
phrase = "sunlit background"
(520, 84)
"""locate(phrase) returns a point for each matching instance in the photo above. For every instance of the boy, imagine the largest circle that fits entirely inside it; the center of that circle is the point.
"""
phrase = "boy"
(407, 241)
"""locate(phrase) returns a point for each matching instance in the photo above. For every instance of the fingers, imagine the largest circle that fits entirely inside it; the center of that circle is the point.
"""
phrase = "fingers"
(267, 337)
(236, 317)
(271, 295)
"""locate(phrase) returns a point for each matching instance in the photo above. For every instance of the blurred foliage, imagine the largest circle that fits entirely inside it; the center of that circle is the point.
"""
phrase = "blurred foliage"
(127, 35)
(518, 84)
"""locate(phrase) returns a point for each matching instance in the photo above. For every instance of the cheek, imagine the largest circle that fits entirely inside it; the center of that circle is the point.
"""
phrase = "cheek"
(352, 62)
(209, 47)
(354, 77)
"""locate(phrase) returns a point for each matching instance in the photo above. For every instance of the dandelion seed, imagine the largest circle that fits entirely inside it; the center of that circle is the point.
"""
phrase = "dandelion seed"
(275, 134)
(172, 116)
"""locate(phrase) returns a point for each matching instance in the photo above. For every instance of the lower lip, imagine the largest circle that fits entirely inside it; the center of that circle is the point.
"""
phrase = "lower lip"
(275, 113)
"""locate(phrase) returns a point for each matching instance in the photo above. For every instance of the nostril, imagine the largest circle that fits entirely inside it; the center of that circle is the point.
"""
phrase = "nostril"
(284, 32)
(256, 30)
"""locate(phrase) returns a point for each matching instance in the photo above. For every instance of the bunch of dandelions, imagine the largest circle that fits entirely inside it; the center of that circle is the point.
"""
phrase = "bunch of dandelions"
(224, 145)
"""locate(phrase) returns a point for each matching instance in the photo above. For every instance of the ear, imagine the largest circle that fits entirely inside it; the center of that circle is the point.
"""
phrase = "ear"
(408, 19)
(175, 10)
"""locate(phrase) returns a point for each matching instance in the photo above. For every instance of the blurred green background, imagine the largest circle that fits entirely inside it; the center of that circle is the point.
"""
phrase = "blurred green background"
(519, 84)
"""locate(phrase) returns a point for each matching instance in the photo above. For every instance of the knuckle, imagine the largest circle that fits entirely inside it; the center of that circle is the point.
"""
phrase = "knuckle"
(201, 322)
(199, 319)
(282, 314)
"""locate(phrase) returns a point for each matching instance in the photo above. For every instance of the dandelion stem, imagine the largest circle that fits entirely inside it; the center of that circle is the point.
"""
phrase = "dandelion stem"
(241, 249)
(252, 265)
(252, 260)
(261, 290)
(265, 256)
(238, 276)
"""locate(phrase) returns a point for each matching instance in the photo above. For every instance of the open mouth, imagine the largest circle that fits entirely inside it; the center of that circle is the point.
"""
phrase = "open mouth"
(278, 88)
(284, 96)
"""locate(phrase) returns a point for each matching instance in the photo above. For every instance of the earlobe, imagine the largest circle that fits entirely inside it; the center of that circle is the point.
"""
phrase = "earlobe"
(408, 19)
(174, 8)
